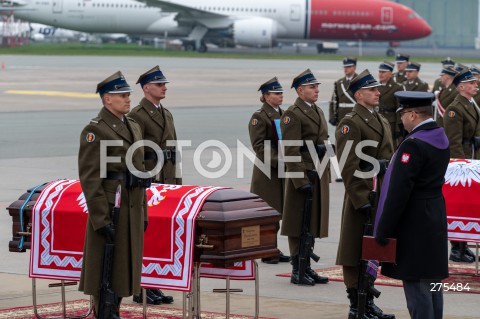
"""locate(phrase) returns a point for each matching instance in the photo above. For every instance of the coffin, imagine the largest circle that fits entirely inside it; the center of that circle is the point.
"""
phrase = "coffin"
(235, 225)
(232, 225)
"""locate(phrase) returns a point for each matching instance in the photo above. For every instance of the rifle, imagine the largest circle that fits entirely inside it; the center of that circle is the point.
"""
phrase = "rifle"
(108, 303)
(306, 238)
(368, 273)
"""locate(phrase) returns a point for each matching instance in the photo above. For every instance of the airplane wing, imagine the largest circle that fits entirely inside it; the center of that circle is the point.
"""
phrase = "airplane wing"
(189, 15)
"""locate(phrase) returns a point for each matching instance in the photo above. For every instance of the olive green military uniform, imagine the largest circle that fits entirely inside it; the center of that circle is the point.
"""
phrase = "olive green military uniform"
(462, 122)
(261, 128)
(100, 194)
(342, 101)
(477, 97)
(445, 98)
(416, 85)
(360, 125)
(304, 123)
(157, 126)
(399, 77)
(387, 107)
(437, 85)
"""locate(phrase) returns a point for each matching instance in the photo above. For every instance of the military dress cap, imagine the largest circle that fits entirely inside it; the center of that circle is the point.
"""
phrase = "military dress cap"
(115, 83)
(272, 86)
(363, 81)
(409, 99)
(304, 78)
(461, 67)
(413, 66)
(448, 70)
(475, 69)
(464, 76)
(349, 61)
(401, 57)
(448, 61)
(386, 66)
(154, 75)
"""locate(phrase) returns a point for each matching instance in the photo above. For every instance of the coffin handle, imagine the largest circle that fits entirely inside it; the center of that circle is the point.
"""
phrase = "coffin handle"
(203, 242)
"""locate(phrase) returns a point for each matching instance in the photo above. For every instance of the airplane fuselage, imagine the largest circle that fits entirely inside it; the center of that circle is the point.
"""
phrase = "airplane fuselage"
(376, 20)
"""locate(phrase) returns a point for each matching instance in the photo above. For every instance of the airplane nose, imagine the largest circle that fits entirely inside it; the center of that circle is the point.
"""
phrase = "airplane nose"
(425, 29)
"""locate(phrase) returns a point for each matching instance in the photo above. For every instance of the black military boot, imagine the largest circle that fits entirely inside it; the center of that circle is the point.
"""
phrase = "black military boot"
(352, 295)
(458, 253)
(162, 296)
(373, 310)
(294, 279)
(152, 299)
(314, 275)
(470, 253)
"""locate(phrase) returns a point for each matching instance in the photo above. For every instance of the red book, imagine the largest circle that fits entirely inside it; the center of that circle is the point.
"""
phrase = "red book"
(371, 250)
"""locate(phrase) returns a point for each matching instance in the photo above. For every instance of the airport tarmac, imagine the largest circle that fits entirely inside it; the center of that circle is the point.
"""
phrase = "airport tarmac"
(46, 101)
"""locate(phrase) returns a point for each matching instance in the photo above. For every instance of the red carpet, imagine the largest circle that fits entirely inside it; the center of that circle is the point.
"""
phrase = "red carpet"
(127, 311)
(460, 275)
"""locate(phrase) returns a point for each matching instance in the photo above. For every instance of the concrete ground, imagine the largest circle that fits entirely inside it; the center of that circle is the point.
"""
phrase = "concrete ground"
(210, 99)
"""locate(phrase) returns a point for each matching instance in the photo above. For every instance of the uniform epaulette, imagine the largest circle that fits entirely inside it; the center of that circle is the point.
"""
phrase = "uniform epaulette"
(351, 114)
(130, 119)
(258, 111)
(95, 120)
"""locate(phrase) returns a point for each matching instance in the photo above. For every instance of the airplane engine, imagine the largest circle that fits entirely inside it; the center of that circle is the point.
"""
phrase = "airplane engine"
(255, 32)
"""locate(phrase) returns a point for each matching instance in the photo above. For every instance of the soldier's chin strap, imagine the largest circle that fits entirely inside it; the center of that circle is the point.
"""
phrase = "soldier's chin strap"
(25, 203)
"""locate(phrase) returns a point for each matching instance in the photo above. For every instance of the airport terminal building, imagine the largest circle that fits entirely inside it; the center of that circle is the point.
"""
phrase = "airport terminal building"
(455, 24)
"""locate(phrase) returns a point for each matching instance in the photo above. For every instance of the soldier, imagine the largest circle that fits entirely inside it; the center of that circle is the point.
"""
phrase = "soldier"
(438, 85)
(361, 125)
(112, 125)
(262, 128)
(462, 126)
(402, 62)
(388, 103)
(415, 212)
(476, 73)
(446, 95)
(304, 121)
(156, 123)
(413, 82)
(341, 102)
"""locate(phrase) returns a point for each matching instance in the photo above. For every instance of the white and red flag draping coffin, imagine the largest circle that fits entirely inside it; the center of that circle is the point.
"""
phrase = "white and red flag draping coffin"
(462, 197)
(58, 234)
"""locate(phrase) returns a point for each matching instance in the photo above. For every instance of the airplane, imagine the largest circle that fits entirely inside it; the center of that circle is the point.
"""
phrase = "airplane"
(256, 23)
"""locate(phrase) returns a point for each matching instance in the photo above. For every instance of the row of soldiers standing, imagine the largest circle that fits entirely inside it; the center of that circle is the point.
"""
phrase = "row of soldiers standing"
(406, 78)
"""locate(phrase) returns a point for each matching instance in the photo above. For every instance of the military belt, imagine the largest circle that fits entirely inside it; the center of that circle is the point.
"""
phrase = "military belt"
(346, 105)
(321, 150)
(168, 155)
(367, 166)
(131, 181)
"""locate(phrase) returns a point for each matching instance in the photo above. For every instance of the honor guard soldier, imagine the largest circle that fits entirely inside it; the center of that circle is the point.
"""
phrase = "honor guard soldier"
(388, 103)
(341, 102)
(438, 85)
(413, 82)
(402, 62)
(157, 126)
(412, 208)
(99, 189)
(446, 95)
(476, 73)
(262, 129)
(462, 126)
(305, 122)
(361, 125)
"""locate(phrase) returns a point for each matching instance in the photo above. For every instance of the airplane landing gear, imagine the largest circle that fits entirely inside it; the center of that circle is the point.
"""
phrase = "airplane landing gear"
(391, 46)
(190, 45)
(390, 52)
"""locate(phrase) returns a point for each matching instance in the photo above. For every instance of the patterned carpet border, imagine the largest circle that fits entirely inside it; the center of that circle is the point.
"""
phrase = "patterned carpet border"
(127, 311)
(460, 274)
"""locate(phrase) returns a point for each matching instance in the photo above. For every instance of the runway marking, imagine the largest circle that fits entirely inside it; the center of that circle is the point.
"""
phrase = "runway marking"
(54, 93)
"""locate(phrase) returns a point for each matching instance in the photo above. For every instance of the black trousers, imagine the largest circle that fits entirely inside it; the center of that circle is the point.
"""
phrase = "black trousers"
(424, 301)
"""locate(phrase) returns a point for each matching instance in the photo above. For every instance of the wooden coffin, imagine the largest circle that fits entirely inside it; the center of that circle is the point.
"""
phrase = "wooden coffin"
(233, 225)
(26, 216)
